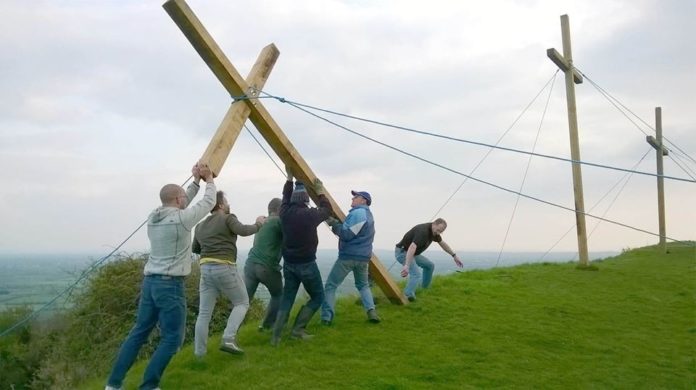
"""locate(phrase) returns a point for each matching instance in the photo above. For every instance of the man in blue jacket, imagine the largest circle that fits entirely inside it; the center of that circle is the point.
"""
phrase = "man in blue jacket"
(299, 224)
(355, 237)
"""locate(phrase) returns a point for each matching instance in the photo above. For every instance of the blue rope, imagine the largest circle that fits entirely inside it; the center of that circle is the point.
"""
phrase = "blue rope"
(298, 105)
(472, 177)
(488, 153)
(610, 97)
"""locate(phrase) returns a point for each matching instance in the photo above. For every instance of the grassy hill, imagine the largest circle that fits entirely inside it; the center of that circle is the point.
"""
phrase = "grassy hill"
(629, 324)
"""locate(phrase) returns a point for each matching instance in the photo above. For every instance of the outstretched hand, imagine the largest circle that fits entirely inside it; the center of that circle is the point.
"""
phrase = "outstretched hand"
(288, 171)
(195, 171)
(205, 172)
(333, 221)
(318, 186)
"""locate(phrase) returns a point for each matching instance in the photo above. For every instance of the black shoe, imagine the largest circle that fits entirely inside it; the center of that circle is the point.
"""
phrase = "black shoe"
(326, 322)
(411, 299)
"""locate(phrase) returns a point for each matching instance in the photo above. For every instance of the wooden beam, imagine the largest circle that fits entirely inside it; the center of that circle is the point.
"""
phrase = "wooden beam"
(558, 59)
(653, 142)
(223, 69)
(660, 150)
(238, 113)
(572, 77)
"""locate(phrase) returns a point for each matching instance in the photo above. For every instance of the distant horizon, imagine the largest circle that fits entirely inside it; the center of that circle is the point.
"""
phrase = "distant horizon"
(433, 252)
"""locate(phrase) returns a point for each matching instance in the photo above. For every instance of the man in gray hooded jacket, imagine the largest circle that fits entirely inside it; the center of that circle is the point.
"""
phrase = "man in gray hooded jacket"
(162, 299)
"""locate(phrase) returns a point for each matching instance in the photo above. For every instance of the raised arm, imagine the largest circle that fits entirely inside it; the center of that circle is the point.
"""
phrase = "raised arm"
(323, 210)
(287, 190)
(193, 214)
(193, 188)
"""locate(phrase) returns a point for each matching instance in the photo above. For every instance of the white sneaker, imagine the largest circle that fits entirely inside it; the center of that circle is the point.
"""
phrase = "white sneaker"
(113, 388)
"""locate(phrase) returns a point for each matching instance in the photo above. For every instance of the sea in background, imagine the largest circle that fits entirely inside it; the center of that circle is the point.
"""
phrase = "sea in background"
(36, 279)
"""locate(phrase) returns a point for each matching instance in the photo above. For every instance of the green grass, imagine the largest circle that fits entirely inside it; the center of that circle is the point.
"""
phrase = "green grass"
(629, 324)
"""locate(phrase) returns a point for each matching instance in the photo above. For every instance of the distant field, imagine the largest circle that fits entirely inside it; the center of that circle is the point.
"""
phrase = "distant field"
(35, 280)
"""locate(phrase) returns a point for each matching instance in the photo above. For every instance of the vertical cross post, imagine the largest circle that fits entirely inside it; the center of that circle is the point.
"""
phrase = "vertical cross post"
(565, 63)
(661, 151)
(236, 86)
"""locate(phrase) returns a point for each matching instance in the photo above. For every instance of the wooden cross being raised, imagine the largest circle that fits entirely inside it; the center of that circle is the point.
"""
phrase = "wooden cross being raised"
(228, 131)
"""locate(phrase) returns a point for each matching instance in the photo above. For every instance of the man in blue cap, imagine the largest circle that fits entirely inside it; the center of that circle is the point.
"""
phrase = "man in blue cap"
(355, 237)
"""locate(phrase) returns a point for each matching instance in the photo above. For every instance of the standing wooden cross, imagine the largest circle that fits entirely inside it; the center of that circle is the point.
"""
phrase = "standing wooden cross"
(228, 131)
(565, 63)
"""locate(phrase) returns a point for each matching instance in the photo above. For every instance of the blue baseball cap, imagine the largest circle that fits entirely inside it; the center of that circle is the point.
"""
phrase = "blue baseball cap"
(364, 195)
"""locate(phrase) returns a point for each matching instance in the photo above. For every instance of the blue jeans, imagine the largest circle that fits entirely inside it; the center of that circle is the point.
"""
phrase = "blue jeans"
(217, 279)
(414, 274)
(340, 270)
(308, 275)
(162, 301)
(255, 273)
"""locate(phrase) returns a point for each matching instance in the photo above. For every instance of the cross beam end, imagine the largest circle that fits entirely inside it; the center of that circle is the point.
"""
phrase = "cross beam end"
(561, 62)
(653, 142)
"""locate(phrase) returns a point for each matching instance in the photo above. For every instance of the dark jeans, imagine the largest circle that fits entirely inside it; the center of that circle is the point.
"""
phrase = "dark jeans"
(255, 273)
(162, 301)
(308, 275)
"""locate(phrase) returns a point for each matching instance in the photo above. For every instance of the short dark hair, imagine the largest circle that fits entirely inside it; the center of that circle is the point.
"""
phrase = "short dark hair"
(440, 221)
(274, 206)
(219, 199)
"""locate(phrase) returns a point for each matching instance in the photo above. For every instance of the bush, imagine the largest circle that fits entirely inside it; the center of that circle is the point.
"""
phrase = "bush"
(20, 353)
(86, 338)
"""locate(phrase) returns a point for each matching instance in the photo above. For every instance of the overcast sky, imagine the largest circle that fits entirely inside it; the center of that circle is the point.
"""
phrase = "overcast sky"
(102, 103)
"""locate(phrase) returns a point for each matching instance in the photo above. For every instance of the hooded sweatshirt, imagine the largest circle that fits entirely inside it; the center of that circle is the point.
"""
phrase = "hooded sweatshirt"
(169, 231)
(299, 225)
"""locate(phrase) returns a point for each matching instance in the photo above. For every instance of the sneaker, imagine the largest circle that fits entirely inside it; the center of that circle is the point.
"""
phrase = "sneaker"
(373, 317)
(112, 388)
(411, 298)
(231, 346)
(326, 322)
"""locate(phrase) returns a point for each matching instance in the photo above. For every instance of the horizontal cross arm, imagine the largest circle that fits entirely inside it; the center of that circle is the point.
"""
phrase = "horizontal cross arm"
(561, 62)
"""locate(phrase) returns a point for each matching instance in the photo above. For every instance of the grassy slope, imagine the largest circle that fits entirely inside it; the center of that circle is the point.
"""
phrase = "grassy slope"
(631, 324)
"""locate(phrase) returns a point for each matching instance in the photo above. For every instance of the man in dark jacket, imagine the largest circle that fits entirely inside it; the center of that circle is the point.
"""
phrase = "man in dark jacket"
(299, 224)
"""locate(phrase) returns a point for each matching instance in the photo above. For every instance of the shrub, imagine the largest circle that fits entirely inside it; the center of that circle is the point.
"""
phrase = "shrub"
(85, 342)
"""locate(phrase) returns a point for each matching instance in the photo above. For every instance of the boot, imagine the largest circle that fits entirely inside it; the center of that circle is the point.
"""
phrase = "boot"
(301, 321)
(278, 327)
(231, 346)
(373, 317)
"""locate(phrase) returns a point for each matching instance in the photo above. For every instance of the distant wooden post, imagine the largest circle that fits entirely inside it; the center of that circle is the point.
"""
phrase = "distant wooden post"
(565, 63)
(661, 151)
(236, 86)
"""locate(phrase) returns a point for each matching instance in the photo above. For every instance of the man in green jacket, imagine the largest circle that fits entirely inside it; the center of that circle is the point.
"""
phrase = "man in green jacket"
(263, 264)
